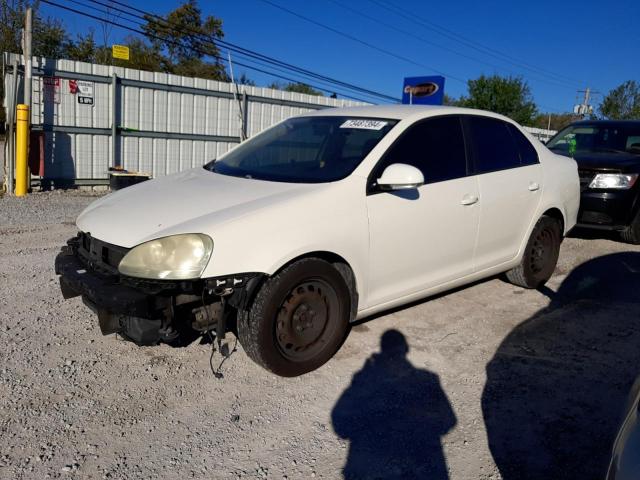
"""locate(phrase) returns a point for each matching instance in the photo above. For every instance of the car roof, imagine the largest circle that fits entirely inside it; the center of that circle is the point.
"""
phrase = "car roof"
(609, 123)
(401, 112)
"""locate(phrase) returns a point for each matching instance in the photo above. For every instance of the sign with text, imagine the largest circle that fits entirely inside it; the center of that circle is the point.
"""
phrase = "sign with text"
(120, 51)
(51, 88)
(423, 90)
(83, 90)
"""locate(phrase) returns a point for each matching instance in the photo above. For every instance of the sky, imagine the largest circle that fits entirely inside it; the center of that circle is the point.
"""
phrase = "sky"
(558, 47)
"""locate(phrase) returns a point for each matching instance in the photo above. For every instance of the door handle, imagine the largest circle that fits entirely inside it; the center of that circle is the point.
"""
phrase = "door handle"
(469, 199)
(533, 186)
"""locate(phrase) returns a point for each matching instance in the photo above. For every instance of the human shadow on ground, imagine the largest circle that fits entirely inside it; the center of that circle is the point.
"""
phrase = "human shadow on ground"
(557, 385)
(394, 416)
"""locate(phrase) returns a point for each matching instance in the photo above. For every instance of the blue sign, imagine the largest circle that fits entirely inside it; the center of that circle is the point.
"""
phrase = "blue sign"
(423, 90)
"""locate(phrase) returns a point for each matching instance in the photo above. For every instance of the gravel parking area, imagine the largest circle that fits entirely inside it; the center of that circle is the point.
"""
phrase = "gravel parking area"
(488, 381)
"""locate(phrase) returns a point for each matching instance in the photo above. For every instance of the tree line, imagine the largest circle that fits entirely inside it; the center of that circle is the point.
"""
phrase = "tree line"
(175, 45)
(511, 96)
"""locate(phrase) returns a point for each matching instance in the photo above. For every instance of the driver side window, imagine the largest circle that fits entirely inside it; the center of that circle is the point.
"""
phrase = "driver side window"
(435, 146)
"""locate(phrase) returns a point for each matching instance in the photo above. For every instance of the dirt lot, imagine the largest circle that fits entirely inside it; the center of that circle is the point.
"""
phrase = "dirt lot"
(498, 382)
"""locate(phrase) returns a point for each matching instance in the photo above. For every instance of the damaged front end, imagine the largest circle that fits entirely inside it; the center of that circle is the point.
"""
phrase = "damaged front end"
(148, 312)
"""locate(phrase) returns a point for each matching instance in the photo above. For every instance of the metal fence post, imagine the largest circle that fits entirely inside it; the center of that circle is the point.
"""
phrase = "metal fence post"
(11, 140)
(245, 114)
(115, 117)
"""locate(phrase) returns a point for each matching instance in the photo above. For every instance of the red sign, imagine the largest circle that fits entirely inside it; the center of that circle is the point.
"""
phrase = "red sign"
(51, 87)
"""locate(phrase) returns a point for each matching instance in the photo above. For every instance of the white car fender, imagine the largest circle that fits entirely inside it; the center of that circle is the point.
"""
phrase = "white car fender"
(270, 238)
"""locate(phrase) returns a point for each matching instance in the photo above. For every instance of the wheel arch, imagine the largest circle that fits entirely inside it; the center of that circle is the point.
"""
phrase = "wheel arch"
(340, 264)
(551, 211)
(556, 213)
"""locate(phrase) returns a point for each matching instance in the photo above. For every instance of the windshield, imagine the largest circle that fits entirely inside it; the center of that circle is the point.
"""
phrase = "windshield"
(305, 150)
(576, 139)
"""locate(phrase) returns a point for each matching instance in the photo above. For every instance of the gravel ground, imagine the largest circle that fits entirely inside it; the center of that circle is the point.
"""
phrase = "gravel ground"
(488, 381)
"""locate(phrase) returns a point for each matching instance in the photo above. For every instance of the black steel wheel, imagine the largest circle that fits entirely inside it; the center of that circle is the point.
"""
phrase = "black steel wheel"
(298, 319)
(302, 326)
(540, 255)
(631, 233)
(542, 249)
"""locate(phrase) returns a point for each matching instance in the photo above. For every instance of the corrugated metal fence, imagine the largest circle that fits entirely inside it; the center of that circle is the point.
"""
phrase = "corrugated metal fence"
(97, 116)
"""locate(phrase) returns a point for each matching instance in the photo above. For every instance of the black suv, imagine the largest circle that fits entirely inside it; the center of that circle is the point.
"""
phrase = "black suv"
(608, 157)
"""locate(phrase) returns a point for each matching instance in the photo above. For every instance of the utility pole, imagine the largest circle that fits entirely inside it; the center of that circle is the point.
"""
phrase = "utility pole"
(583, 109)
(28, 34)
(23, 113)
(587, 96)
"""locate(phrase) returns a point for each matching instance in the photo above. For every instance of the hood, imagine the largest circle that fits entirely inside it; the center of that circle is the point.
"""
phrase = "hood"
(178, 204)
(621, 162)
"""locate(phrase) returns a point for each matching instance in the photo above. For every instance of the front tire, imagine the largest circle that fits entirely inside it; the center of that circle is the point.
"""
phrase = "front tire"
(298, 319)
(540, 255)
(631, 234)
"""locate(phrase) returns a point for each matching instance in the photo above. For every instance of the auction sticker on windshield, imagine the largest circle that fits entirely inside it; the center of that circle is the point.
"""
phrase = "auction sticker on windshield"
(364, 124)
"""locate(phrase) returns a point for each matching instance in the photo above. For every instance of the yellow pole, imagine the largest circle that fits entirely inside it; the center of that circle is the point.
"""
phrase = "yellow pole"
(22, 150)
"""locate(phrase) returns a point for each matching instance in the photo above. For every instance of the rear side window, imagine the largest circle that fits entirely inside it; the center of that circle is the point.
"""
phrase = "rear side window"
(528, 154)
(435, 146)
(494, 148)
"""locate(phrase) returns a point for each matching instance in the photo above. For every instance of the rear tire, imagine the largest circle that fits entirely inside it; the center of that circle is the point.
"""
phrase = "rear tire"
(631, 234)
(298, 319)
(540, 255)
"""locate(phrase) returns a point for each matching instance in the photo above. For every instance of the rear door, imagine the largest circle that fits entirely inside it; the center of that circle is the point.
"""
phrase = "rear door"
(423, 237)
(510, 182)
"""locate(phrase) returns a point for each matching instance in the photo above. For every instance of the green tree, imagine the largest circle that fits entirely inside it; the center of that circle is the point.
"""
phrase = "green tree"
(186, 38)
(244, 80)
(142, 56)
(623, 102)
(509, 96)
(297, 87)
(83, 49)
(558, 120)
(49, 36)
(450, 101)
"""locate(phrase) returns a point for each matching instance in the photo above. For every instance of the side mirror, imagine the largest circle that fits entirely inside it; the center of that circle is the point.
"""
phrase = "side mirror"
(400, 176)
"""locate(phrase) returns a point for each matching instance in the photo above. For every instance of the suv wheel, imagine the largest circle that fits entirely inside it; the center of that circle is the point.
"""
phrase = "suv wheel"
(298, 319)
(540, 255)
(631, 234)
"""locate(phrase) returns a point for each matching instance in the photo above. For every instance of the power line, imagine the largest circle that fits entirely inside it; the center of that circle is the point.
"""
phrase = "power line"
(360, 41)
(437, 45)
(288, 79)
(260, 63)
(468, 42)
(251, 67)
(243, 51)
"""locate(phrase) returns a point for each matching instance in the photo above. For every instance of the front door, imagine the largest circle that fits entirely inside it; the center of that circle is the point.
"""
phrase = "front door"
(423, 237)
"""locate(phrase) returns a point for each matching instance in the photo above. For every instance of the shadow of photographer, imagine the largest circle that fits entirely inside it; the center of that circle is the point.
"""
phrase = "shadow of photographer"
(394, 416)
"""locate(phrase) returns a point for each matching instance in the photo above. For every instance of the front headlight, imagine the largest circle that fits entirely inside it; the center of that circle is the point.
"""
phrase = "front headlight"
(178, 257)
(620, 181)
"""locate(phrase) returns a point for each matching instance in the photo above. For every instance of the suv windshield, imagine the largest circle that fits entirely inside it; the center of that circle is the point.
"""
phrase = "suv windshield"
(596, 138)
(305, 150)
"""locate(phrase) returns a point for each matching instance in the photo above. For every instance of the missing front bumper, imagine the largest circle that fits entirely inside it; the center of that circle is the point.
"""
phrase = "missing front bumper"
(151, 312)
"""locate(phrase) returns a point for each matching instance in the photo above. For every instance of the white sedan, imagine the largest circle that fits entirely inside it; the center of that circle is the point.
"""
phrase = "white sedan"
(319, 221)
